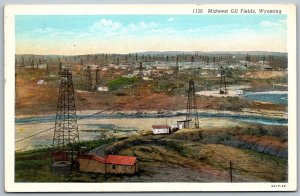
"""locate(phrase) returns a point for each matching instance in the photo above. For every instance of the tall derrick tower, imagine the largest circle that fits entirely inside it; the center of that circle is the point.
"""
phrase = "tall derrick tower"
(223, 89)
(97, 76)
(192, 112)
(66, 135)
(88, 79)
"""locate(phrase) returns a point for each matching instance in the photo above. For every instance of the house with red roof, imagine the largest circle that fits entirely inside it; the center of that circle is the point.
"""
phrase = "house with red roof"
(113, 164)
(116, 164)
(161, 129)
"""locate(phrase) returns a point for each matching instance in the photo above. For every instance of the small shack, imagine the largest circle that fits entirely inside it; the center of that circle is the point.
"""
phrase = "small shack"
(239, 92)
(183, 123)
(116, 164)
(161, 129)
(91, 163)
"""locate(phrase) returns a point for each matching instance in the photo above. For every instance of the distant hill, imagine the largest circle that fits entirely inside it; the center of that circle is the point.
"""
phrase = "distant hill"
(255, 53)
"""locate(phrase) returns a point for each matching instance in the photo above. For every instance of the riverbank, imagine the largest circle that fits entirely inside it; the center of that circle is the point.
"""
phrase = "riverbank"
(167, 113)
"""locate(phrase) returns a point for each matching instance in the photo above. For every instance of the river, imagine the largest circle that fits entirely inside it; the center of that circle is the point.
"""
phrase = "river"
(277, 97)
(109, 125)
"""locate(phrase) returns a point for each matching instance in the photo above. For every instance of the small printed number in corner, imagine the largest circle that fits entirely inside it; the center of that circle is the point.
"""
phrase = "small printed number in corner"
(197, 11)
(278, 185)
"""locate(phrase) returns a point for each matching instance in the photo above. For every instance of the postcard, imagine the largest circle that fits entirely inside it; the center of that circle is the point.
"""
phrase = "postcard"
(142, 98)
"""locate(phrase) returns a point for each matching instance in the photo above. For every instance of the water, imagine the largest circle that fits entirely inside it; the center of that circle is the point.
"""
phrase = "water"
(244, 118)
(277, 98)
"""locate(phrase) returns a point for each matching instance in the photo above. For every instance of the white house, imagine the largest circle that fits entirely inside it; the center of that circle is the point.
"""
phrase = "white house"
(41, 82)
(161, 129)
(42, 66)
(239, 92)
(102, 88)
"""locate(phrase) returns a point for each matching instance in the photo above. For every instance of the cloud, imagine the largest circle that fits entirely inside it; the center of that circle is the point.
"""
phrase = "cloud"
(279, 23)
(141, 25)
(105, 24)
(170, 19)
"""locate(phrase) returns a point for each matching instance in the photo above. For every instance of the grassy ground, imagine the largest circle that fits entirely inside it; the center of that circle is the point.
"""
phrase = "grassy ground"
(194, 155)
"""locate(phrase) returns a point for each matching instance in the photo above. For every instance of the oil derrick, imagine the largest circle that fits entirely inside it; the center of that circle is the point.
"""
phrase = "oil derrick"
(32, 64)
(22, 61)
(140, 74)
(97, 77)
(192, 113)
(47, 70)
(88, 79)
(66, 136)
(177, 65)
(222, 82)
(60, 68)
(17, 98)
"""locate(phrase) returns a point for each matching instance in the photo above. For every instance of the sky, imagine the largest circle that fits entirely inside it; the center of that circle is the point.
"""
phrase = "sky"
(90, 34)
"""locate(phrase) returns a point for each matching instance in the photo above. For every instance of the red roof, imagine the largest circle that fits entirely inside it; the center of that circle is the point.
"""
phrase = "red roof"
(92, 157)
(160, 126)
(120, 160)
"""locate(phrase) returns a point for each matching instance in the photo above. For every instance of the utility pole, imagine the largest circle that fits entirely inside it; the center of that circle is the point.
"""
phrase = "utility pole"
(66, 135)
(230, 170)
(192, 112)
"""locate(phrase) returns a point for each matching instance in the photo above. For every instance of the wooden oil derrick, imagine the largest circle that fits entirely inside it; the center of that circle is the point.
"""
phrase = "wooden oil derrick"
(47, 70)
(223, 89)
(88, 79)
(32, 64)
(140, 74)
(97, 77)
(60, 68)
(192, 112)
(66, 136)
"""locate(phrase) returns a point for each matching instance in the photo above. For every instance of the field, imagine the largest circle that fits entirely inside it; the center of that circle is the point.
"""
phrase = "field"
(257, 154)
(224, 148)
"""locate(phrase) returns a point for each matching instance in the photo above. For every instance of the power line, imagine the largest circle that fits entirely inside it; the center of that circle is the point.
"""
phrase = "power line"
(81, 118)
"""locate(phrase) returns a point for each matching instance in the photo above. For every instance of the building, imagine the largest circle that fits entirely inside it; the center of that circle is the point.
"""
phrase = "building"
(239, 92)
(102, 88)
(116, 164)
(112, 164)
(41, 82)
(161, 129)
(91, 163)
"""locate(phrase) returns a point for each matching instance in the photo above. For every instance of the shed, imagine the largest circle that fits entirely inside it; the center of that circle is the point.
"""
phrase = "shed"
(117, 164)
(161, 129)
(91, 163)
(102, 88)
(41, 82)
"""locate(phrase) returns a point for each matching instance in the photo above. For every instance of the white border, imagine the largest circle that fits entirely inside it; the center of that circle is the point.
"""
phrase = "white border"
(11, 186)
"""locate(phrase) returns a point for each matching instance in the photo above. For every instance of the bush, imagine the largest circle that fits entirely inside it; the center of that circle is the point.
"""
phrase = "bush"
(121, 82)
